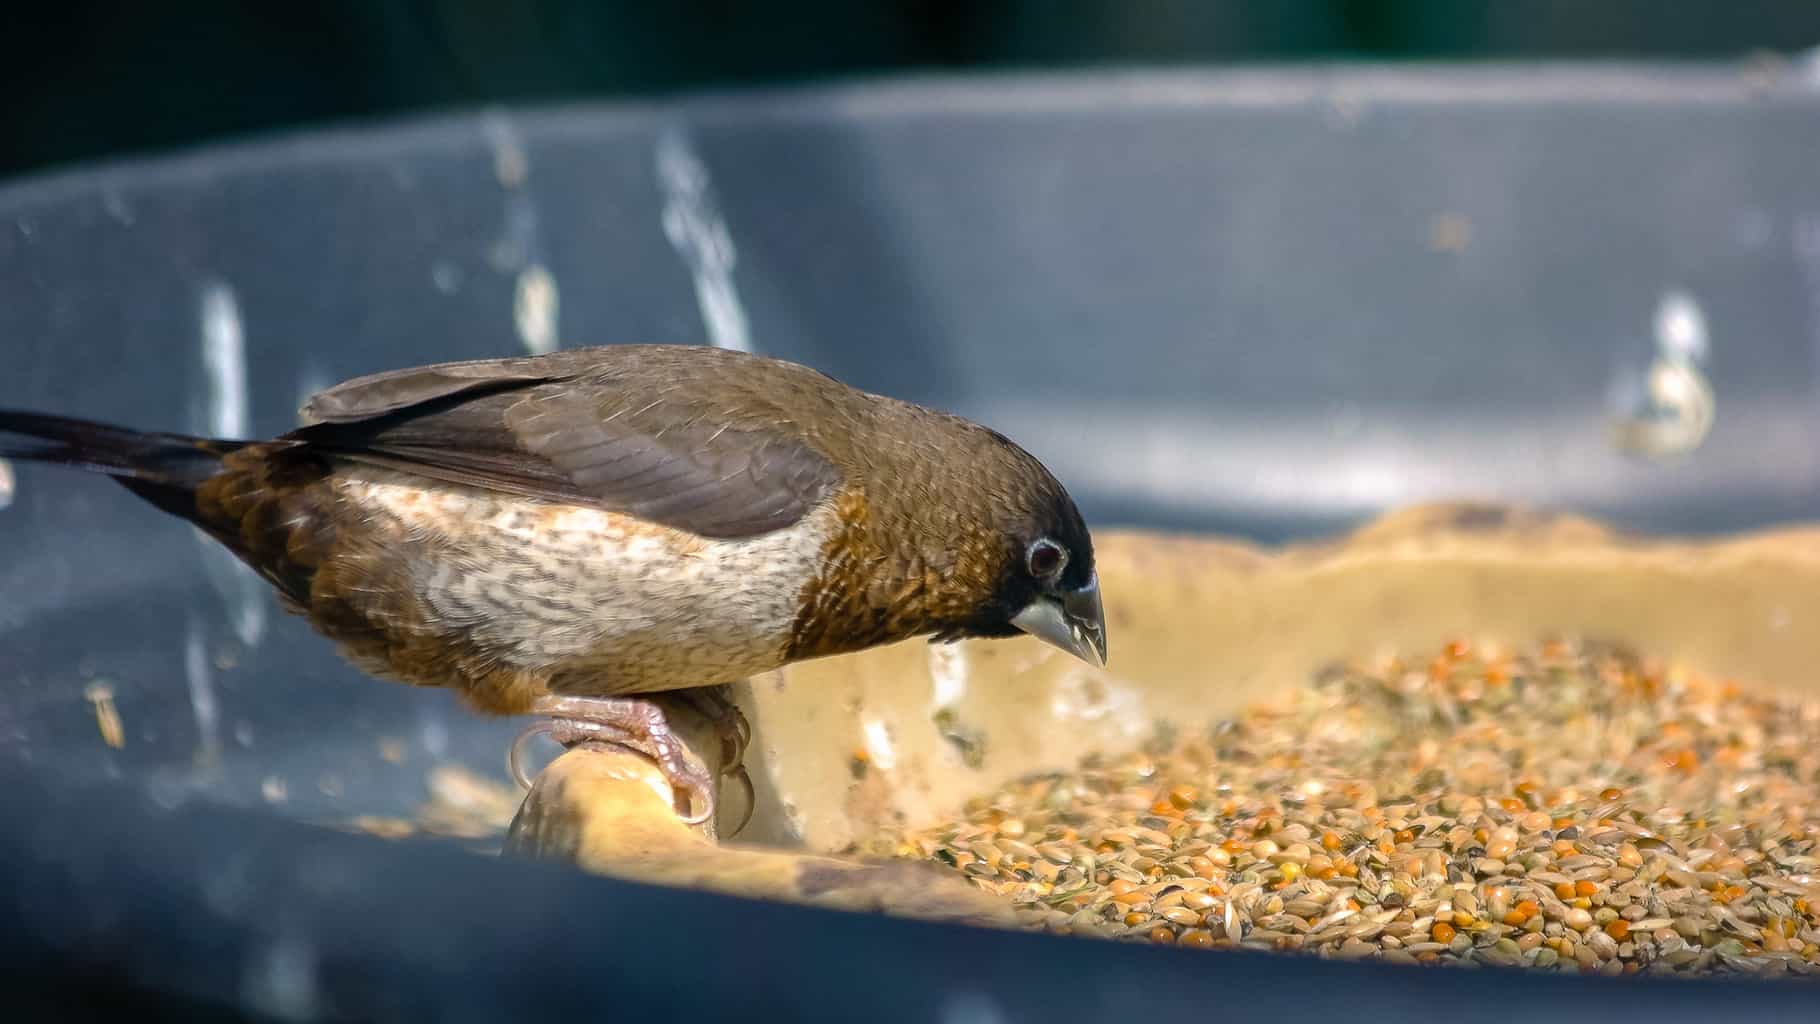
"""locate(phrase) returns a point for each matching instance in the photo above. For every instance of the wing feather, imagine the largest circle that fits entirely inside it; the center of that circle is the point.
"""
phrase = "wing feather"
(697, 443)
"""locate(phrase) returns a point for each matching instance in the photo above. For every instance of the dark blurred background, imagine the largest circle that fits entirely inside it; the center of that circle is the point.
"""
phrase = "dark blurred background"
(85, 78)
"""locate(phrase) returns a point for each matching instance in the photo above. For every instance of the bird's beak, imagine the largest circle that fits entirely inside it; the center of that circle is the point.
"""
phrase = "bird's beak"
(1074, 621)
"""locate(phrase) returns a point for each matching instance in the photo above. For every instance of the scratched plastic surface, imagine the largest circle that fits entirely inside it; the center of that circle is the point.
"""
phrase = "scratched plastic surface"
(1264, 302)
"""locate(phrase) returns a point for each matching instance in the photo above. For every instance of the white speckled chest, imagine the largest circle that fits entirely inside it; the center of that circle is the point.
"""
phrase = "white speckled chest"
(601, 603)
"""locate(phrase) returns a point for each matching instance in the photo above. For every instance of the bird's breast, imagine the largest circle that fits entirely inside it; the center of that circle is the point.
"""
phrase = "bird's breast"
(600, 602)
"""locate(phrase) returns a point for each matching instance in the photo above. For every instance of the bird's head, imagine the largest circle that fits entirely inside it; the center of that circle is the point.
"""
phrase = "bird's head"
(1039, 577)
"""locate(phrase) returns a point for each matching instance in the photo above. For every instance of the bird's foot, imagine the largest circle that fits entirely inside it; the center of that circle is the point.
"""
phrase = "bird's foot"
(735, 736)
(636, 725)
(735, 732)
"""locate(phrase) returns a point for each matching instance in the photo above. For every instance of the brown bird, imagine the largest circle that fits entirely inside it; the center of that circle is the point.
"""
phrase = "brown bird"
(555, 535)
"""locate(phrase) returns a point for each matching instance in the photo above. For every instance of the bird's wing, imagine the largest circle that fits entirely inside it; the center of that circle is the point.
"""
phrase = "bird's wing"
(695, 450)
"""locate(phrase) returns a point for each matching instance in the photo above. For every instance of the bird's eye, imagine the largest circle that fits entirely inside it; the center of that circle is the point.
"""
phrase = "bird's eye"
(1046, 558)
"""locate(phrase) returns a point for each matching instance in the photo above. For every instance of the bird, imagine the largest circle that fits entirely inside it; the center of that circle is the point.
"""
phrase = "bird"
(566, 535)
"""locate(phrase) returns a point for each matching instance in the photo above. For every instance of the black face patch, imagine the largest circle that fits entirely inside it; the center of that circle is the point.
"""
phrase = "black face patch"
(1060, 521)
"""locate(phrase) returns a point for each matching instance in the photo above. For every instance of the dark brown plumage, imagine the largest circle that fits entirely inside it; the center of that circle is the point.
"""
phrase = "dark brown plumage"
(557, 534)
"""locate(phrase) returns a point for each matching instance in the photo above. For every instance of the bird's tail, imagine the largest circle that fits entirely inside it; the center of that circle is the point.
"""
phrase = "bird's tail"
(164, 469)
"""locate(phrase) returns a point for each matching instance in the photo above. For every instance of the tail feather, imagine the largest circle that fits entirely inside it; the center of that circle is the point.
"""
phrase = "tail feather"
(165, 469)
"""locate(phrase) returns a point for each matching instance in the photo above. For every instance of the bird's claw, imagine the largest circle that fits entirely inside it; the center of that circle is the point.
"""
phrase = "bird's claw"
(735, 737)
(745, 782)
(729, 722)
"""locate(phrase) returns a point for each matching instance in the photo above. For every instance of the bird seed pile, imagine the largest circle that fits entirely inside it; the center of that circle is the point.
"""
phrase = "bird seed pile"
(1567, 809)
